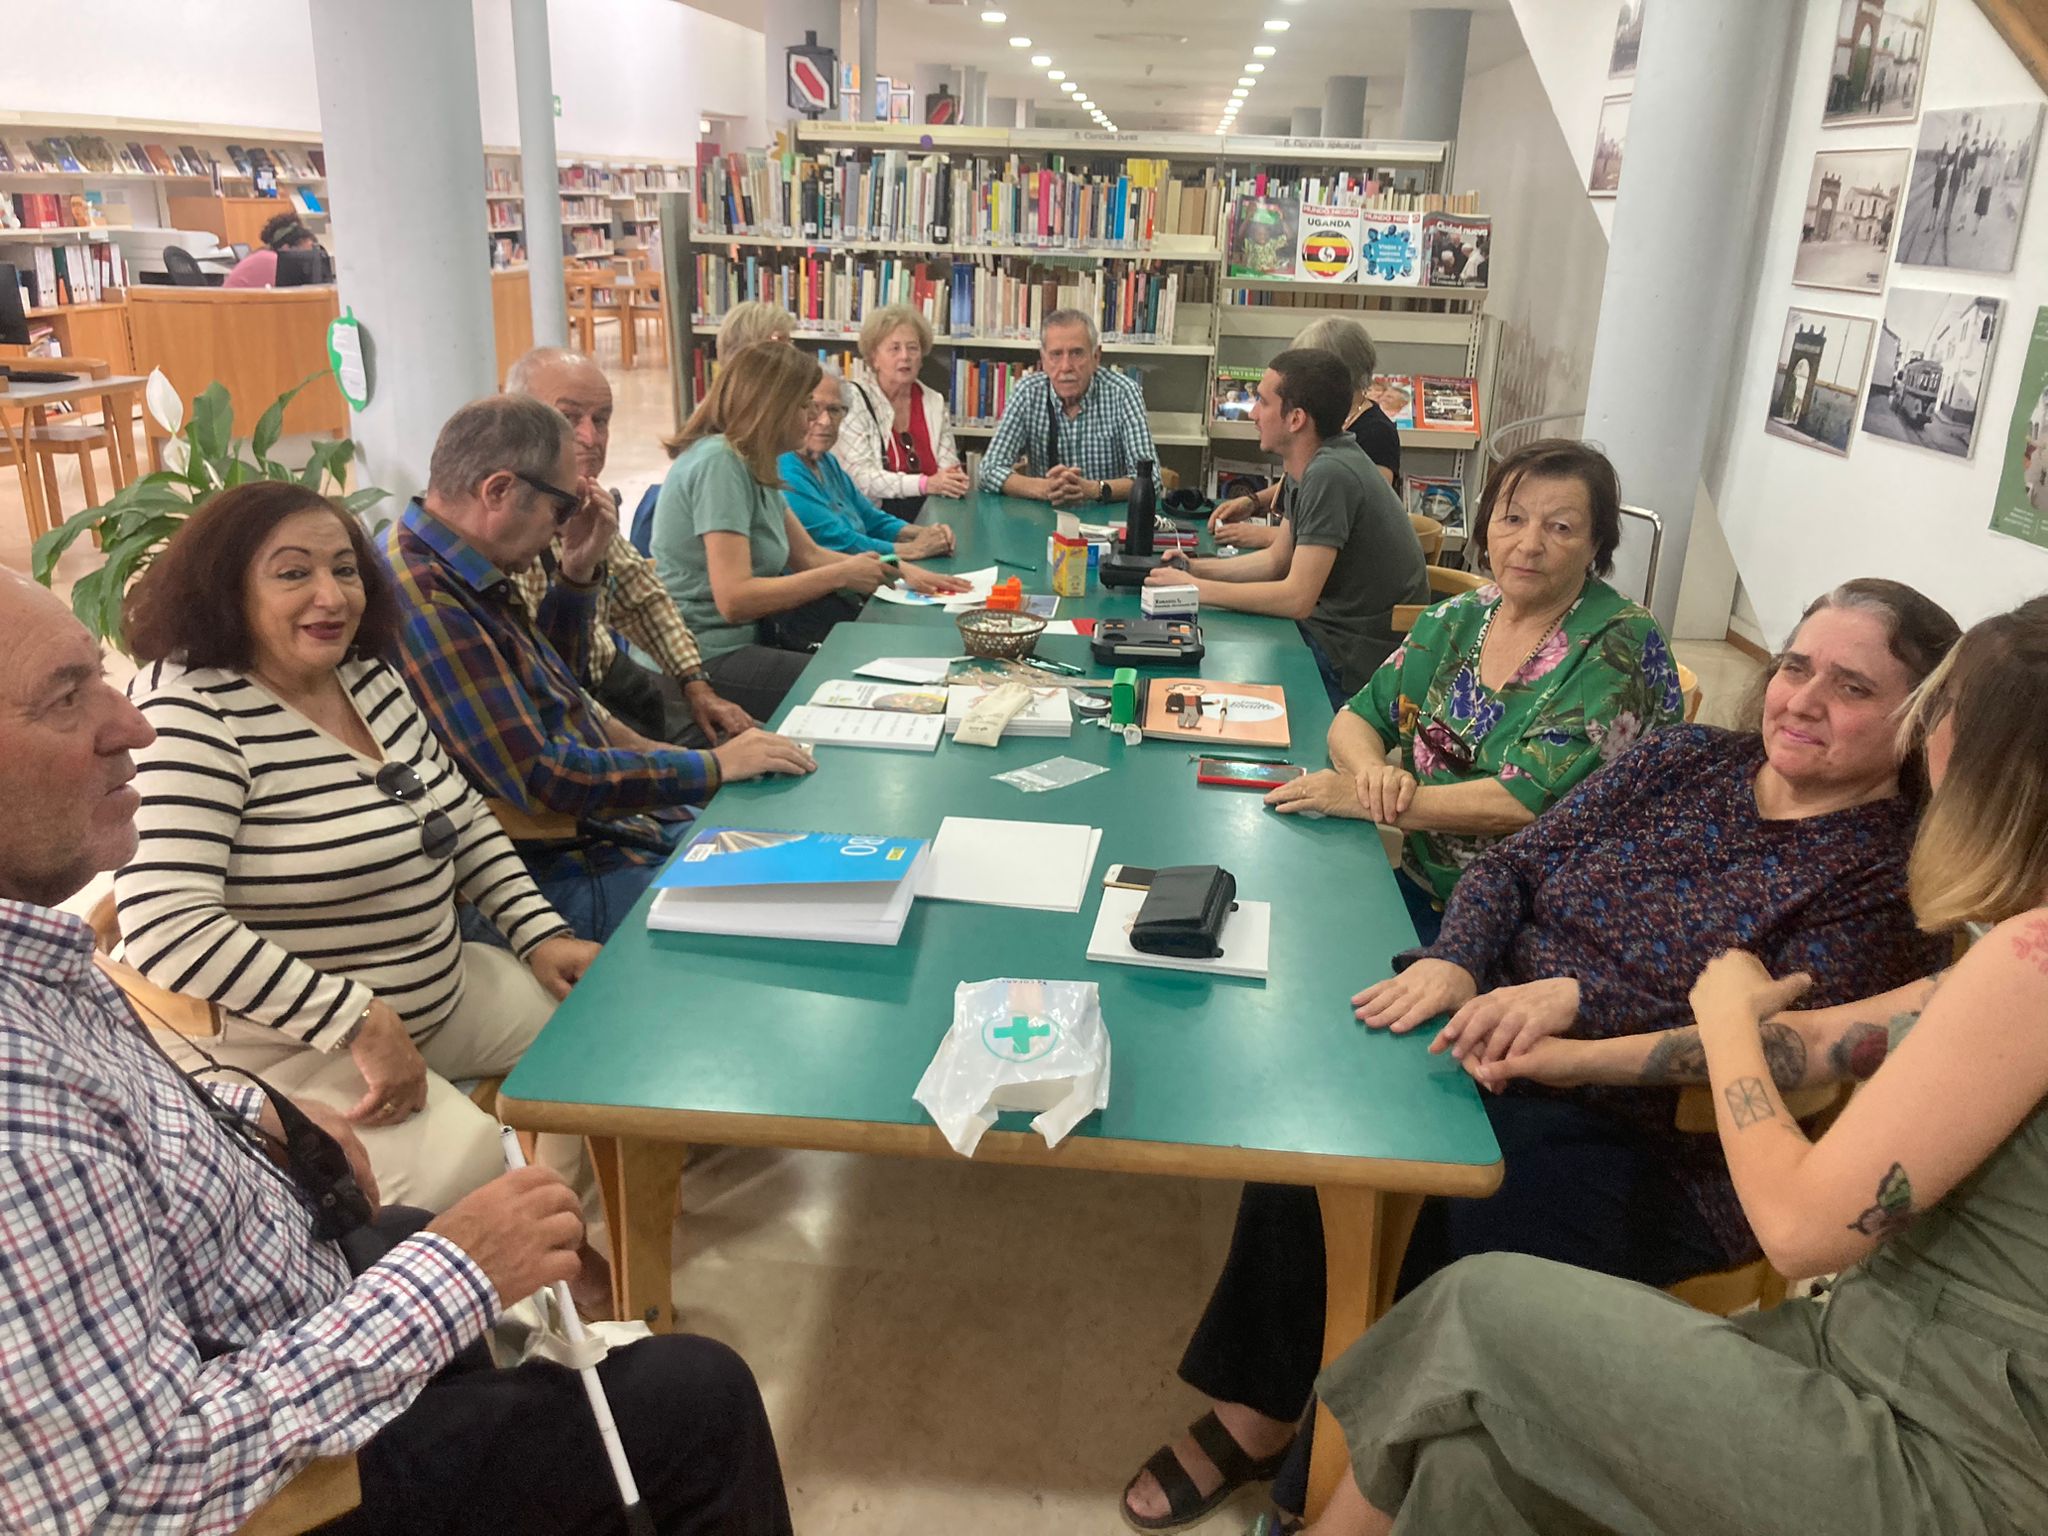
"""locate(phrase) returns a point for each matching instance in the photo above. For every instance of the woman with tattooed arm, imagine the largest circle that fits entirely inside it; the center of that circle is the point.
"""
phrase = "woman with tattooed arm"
(1515, 1394)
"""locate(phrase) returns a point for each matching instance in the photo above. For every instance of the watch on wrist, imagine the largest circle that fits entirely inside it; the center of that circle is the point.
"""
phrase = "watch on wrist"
(1102, 492)
(692, 678)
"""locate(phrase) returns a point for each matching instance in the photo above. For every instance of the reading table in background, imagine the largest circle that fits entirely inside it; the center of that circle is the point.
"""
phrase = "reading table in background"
(673, 1038)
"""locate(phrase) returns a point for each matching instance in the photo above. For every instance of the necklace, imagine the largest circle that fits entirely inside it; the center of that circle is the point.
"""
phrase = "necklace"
(1486, 628)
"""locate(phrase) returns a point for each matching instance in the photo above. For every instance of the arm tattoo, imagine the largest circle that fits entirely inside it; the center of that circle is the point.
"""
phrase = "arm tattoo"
(1861, 1051)
(1749, 1101)
(1894, 1207)
(1678, 1057)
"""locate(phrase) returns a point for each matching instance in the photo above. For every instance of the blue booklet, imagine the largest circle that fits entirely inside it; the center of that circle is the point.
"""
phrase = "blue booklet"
(818, 885)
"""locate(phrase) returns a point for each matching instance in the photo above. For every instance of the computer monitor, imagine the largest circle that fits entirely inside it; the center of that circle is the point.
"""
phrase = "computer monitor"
(238, 250)
(299, 268)
(13, 317)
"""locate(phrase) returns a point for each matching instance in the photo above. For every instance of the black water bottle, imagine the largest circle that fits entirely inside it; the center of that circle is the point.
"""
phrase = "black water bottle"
(1143, 517)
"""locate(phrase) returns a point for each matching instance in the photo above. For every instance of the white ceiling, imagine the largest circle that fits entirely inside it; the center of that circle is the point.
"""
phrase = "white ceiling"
(1155, 64)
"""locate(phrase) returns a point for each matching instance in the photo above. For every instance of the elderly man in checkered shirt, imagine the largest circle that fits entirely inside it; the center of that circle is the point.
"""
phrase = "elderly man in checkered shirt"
(175, 1342)
(1071, 434)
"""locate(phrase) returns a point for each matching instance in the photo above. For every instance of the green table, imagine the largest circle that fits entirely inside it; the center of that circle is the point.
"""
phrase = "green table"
(990, 529)
(673, 1038)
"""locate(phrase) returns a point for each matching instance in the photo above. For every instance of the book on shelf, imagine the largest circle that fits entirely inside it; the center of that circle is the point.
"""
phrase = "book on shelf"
(1264, 236)
(1442, 499)
(1394, 393)
(981, 386)
(306, 200)
(79, 272)
(65, 156)
(1456, 248)
(1327, 250)
(504, 212)
(845, 693)
(1390, 249)
(1446, 403)
(160, 160)
(240, 156)
(317, 158)
(15, 157)
(195, 163)
(1201, 711)
(797, 885)
(1236, 388)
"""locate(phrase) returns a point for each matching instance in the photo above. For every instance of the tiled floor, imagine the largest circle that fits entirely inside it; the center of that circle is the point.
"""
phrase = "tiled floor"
(944, 1347)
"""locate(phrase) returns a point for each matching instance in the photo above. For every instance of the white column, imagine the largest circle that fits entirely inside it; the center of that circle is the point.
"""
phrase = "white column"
(1708, 87)
(865, 112)
(783, 25)
(999, 111)
(974, 88)
(1306, 123)
(1433, 88)
(1344, 107)
(532, 64)
(397, 89)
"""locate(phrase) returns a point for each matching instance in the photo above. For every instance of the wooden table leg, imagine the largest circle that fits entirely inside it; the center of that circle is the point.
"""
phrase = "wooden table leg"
(122, 437)
(624, 300)
(1365, 1234)
(25, 472)
(637, 1180)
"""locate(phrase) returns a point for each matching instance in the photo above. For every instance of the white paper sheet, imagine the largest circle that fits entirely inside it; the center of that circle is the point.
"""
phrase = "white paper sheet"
(1246, 938)
(908, 669)
(980, 584)
(1041, 865)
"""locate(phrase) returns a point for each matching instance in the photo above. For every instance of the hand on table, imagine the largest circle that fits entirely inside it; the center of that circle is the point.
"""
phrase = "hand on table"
(392, 1067)
(720, 717)
(1324, 793)
(589, 532)
(1247, 535)
(1550, 1061)
(558, 963)
(1064, 487)
(523, 1229)
(1510, 1020)
(950, 481)
(751, 754)
(931, 583)
(926, 541)
(1174, 570)
(1427, 988)
(1235, 510)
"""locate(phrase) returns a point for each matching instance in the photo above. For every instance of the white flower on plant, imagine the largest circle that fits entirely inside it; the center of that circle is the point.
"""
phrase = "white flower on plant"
(165, 406)
(177, 455)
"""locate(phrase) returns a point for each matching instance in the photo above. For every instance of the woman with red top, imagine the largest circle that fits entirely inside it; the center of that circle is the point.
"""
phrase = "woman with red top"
(897, 443)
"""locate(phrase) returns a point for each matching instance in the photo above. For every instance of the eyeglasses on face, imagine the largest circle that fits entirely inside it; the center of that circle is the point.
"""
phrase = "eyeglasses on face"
(817, 412)
(565, 502)
(398, 782)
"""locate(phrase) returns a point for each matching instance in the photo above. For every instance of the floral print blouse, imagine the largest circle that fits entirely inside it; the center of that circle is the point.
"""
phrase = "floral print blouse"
(1604, 680)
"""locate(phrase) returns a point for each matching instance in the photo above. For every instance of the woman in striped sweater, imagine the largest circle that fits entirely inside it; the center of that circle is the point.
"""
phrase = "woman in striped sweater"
(303, 839)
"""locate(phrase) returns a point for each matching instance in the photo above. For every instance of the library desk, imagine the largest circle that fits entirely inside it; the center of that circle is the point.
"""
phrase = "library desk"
(257, 342)
(673, 1038)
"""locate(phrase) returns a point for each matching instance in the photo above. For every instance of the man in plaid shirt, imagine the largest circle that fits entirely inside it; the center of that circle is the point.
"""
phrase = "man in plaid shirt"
(500, 684)
(175, 1343)
(1071, 434)
(629, 597)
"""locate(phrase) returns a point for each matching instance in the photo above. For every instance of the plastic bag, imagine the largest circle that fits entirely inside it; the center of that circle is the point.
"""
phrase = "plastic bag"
(1053, 773)
(1031, 1045)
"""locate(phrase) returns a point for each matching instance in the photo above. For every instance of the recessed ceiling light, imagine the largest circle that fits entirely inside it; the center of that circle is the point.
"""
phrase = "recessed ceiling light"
(1240, 93)
(1020, 42)
(995, 18)
(1246, 80)
(1275, 25)
(1264, 51)
(1069, 87)
(1055, 74)
(1255, 69)
(1040, 60)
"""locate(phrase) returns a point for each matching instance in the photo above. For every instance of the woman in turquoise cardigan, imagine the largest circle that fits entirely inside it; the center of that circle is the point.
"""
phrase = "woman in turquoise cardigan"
(831, 507)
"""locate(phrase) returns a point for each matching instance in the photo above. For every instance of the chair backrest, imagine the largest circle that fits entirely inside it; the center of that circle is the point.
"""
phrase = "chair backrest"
(1430, 534)
(1689, 685)
(1444, 581)
(640, 533)
(524, 826)
(192, 1017)
(183, 267)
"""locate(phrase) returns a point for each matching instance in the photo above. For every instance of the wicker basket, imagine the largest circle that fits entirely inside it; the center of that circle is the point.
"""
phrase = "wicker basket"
(999, 634)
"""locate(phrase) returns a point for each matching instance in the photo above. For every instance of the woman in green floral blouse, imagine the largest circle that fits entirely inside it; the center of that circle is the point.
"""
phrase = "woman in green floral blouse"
(1503, 698)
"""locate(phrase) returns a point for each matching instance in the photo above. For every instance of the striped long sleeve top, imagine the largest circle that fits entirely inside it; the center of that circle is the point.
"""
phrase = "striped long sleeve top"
(274, 878)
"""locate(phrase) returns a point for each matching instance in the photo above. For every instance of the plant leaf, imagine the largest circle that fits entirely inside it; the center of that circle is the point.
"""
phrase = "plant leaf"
(271, 426)
(213, 425)
(363, 500)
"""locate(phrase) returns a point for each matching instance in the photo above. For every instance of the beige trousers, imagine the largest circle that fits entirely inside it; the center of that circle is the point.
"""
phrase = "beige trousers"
(450, 1147)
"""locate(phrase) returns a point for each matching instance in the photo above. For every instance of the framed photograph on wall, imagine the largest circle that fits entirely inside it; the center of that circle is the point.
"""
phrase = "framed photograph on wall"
(1880, 56)
(2022, 506)
(1968, 196)
(1927, 378)
(1852, 209)
(1604, 180)
(1628, 40)
(1821, 362)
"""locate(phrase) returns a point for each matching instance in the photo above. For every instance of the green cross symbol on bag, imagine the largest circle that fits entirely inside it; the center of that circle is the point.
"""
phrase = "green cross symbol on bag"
(1024, 1038)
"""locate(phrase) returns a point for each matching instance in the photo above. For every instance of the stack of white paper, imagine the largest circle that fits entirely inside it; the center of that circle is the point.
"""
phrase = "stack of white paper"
(1038, 864)
(821, 727)
(846, 693)
(979, 584)
(908, 669)
(1246, 938)
(1048, 714)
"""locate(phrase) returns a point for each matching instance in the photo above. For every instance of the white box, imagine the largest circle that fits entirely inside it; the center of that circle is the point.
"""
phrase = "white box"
(1170, 602)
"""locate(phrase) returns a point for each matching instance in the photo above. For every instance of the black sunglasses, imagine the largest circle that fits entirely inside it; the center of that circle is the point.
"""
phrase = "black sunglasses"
(437, 832)
(1450, 746)
(566, 502)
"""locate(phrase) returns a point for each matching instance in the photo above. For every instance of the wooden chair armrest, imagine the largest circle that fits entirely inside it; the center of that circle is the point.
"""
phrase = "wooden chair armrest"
(192, 1017)
(1402, 621)
(323, 1490)
(524, 826)
(1696, 1105)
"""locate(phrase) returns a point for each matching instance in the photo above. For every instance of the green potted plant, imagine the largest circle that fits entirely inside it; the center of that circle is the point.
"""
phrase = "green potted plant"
(203, 456)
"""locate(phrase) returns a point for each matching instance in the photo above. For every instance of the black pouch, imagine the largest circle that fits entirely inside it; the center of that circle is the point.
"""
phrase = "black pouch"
(1184, 911)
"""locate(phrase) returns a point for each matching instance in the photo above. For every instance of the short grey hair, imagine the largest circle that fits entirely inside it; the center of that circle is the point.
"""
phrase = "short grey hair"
(1349, 341)
(519, 377)
(498, 432)
(1079, 317)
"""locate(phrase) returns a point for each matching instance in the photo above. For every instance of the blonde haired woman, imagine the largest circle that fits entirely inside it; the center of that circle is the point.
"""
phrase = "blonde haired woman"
(756, 590)
(750, 322)
(897, 443)
(1512, 1393)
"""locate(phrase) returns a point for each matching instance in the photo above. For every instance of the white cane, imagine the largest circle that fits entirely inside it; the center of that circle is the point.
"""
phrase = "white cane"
(638, 1521)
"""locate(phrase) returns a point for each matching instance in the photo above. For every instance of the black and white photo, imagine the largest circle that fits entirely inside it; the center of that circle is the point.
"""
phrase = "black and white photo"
(1604, 180)
(1852, 208)
(1971, 174)
(1927, 378)
(1880, 55)
(1821, 361)
(1628, 40)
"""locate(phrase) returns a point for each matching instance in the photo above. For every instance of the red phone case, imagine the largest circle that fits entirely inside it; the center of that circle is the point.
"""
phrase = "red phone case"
(1207, 772)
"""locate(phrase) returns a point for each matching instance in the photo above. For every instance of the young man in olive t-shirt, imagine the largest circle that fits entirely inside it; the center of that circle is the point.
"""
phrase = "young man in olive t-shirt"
(1346, 553)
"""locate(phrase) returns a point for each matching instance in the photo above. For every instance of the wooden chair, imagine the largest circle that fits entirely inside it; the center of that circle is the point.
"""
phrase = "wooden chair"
(1689, 685)
(1756, 1283)
(640, 299)
(328, 1487)
(1444, 581)
(580, 286)
(1430, 533)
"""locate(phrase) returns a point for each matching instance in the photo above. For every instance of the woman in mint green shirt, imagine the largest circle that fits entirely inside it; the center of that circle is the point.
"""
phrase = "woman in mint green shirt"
(1502, 699)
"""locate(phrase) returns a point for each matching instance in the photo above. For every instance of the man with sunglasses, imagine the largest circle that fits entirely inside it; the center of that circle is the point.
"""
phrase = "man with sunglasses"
(673, 700)
(502, 683)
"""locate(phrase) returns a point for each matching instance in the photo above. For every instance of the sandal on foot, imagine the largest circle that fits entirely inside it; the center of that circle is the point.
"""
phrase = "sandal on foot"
(1185, 1504)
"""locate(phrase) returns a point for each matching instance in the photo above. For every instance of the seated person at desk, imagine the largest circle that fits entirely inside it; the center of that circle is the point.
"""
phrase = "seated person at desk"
(1071, 434)
(1351, 344)
(1511, 1394)
(758, 592)
(500, 684)
(750, 321)
(303, 839)
(629, 594)
(1346, 554)
(898, 444)
(258, 269)
(828, 503)
(1594, 920)
(1500, 700)
(181, 1328)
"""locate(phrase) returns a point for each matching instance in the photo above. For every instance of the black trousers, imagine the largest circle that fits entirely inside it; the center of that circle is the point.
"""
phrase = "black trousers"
(650, 702)
(517, 1453)
(1580, 1187)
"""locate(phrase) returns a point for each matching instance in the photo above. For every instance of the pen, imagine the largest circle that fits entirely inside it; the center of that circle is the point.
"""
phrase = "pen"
(1015, 565)
(1064, 668)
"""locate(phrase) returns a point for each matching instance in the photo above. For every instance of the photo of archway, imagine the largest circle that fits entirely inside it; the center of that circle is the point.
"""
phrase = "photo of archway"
(1852, 208)
(1821, 362)
(1880, 56)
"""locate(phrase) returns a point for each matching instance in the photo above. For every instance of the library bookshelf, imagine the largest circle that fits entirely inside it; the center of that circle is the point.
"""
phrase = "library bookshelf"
(608, 204)
(844, 217)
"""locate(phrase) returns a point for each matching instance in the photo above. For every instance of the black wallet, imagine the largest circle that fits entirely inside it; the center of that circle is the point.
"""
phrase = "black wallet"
(1184, 912)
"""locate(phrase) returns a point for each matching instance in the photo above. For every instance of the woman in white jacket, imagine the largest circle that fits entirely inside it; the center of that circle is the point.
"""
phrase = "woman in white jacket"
(897, 444)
